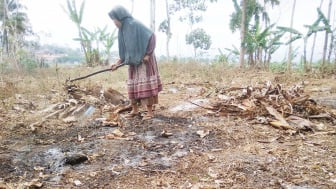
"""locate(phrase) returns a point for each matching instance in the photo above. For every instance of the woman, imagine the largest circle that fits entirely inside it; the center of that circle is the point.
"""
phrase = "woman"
(136, 48)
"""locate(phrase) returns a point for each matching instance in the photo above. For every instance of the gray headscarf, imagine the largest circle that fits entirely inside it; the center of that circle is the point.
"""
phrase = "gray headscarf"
(133, 36)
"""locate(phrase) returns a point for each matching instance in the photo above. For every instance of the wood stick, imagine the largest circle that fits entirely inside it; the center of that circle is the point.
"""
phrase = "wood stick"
(97, 72)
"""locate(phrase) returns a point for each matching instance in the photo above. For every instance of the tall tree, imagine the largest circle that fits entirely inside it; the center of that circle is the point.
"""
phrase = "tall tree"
(325, 46)
(243, 27)
(190, 13)
(289, 58)
(199, 39)
(166, 28)
(152, 15)
(190, 9)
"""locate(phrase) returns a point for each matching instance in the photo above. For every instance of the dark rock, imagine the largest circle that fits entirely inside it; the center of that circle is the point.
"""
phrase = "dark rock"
(74, 159)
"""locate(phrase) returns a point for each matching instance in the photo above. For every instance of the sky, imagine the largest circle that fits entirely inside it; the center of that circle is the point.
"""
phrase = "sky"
(49, 20)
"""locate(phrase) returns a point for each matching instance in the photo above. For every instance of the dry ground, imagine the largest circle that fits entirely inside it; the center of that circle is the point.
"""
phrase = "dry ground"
(184, 146)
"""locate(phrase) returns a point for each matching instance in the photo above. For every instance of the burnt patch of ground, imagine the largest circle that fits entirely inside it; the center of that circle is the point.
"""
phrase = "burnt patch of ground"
(147, 149)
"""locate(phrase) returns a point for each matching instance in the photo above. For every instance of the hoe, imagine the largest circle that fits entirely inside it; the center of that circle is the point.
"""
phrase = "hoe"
(97, 72)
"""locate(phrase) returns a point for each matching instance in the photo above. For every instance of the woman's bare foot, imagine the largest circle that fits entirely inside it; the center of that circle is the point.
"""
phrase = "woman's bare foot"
(147, 117)
(149, 114)
(134, 112)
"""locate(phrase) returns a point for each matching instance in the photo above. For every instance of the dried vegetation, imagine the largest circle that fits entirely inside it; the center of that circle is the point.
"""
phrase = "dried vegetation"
(215, 127)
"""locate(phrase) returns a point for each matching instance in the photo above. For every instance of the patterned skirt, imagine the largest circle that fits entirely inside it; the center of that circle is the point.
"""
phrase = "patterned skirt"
(144, 83)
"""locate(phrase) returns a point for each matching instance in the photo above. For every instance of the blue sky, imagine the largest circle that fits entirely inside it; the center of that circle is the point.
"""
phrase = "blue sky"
(54, 27)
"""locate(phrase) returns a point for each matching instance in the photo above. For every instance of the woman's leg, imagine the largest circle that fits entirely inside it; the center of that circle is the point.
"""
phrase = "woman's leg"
(150, 110)
(135, 109)
(149, 103)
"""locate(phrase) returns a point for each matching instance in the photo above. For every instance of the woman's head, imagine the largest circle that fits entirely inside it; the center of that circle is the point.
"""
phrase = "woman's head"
(118, 14)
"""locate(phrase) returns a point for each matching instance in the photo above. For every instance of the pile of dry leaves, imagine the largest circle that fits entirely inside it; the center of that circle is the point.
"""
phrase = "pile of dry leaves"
(271, 104)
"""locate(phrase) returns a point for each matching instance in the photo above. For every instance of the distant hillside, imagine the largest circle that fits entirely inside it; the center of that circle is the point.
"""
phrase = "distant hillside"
(57, 54)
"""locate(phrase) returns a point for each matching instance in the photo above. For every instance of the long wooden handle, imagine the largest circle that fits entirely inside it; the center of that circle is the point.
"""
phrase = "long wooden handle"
(97, 72)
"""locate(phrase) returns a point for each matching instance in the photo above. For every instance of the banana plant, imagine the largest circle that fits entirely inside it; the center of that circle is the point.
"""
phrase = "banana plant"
(249, 13)
(88, 38)
(108, 42)
(273, 43)
(76, 16)
(261, 44)
(92, 42)
(233, 53)
(255, 41)
(311, 29)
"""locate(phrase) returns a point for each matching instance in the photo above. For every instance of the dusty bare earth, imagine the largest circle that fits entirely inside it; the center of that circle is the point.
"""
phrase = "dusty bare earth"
(237, 133)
